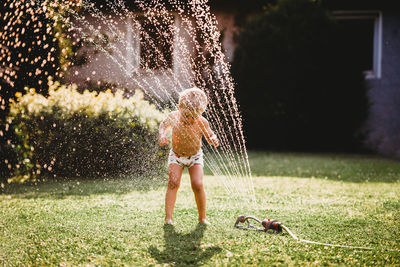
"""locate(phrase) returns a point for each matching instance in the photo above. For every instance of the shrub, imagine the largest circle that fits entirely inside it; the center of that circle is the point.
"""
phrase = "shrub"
(296, 79)
(90, 134)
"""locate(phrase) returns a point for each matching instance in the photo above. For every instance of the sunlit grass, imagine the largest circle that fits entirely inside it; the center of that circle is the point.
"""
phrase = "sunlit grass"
(120, 221)
(343, 167)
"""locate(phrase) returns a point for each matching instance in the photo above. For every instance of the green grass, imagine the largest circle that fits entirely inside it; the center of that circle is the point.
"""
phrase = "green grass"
(340, 199)
(341, 167)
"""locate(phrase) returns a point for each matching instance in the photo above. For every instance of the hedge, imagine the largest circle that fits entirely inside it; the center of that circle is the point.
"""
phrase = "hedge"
(88, 134)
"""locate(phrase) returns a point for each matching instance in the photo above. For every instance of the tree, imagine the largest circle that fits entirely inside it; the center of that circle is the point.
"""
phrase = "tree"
(296, 88)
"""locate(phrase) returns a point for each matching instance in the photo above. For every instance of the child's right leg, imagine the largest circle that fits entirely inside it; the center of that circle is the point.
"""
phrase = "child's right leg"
(174, 180)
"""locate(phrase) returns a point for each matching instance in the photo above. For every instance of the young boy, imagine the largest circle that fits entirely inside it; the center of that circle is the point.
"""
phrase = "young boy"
(188, 127)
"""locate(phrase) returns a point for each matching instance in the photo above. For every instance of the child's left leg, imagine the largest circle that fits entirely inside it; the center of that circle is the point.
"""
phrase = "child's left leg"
(196, 179)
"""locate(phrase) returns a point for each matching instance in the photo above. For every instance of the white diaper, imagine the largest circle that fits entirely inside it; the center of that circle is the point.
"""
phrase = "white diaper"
(196, 159)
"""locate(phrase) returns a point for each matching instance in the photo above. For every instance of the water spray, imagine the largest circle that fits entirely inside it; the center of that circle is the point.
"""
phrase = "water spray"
(273, 225)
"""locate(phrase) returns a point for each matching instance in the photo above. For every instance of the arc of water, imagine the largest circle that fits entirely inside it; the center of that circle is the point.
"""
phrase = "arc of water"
(123, 68)
(238, 169)
(217, 98)
(234, 115)
(155, 21)
(216, 117)
(190, 28)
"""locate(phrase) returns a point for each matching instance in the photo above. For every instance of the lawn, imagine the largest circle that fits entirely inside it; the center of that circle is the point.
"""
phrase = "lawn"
(341, 199)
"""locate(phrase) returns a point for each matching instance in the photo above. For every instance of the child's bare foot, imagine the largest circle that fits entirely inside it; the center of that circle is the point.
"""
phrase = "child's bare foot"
(168, 221)
(204, 221)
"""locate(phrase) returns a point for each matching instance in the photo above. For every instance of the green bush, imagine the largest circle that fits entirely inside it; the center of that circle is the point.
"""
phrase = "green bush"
(298, 82)
(90, 134)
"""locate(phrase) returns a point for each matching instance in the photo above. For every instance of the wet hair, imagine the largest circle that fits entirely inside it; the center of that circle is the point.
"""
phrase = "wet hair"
(193, 99)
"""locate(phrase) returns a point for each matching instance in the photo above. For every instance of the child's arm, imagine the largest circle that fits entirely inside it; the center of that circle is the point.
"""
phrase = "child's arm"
(210, 136)
(162, 132)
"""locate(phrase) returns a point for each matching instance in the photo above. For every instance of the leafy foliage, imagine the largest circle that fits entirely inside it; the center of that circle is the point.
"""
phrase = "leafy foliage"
(296, 85)
(90, 134)
(34, 44)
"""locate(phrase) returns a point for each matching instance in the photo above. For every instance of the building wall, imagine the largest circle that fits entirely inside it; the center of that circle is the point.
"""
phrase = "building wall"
(121, 66)
(383, 125)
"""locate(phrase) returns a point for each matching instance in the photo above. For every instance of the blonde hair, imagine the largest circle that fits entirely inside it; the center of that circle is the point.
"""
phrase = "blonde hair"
(193, 99)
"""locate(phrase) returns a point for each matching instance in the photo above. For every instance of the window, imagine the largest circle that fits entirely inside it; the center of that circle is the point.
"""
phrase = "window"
(149, 43)
(362, 34)
(132, 45)
(156, 43)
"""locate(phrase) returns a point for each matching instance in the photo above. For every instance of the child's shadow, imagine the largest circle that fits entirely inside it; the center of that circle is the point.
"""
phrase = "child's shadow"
(183, 249)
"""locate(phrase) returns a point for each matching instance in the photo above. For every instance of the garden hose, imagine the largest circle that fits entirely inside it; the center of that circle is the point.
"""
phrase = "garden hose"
(269, 224)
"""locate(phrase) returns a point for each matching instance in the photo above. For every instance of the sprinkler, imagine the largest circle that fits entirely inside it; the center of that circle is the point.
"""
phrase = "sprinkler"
(269, 224)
